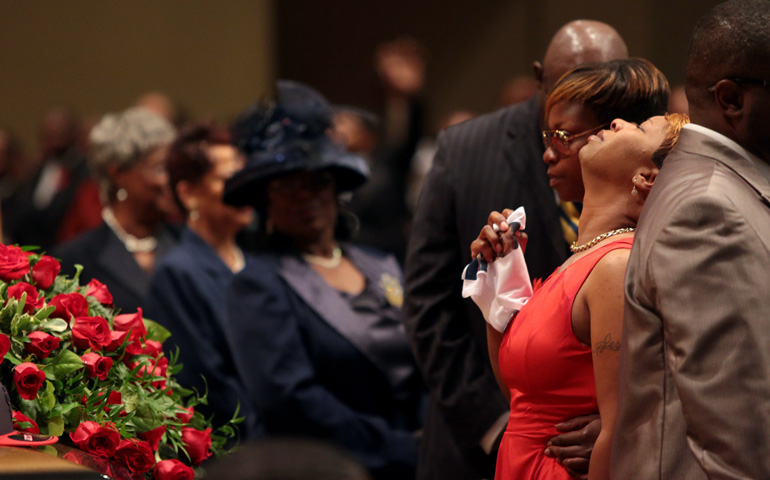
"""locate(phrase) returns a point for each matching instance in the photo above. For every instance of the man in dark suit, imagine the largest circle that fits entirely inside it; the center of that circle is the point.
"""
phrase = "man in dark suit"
(695, 357)
(485, 164)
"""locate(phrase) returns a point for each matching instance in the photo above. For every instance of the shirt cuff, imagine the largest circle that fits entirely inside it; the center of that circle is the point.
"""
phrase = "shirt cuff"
(487, 442)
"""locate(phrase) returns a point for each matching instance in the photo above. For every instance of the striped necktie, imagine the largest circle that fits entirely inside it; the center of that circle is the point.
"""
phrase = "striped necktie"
(570, 220)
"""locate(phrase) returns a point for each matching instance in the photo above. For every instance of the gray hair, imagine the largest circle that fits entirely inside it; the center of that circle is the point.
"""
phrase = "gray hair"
(124, 139)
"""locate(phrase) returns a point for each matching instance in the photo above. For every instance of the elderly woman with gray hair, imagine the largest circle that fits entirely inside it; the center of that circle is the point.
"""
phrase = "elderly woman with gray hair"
(128, 159)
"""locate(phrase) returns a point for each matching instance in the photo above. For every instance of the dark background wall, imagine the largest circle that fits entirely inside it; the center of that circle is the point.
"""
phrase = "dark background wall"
(474, 47)
(216, 57)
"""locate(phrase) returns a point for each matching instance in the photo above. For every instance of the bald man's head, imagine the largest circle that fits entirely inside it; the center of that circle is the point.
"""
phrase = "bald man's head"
(578, 42)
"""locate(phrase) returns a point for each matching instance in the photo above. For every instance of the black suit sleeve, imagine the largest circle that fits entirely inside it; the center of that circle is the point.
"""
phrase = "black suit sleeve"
(453, 360)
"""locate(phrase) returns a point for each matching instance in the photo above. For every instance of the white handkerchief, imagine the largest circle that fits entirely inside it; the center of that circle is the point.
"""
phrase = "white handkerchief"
(502, 287)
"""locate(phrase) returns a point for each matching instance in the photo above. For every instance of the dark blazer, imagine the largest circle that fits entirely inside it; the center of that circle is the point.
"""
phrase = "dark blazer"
(105, 258)
(488, 163)
(187, 296)
(312, 366)
(694, 379)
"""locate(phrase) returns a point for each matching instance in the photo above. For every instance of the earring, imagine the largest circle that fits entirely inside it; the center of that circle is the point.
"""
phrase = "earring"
(194, 213)
(634, 191)
(121, 194)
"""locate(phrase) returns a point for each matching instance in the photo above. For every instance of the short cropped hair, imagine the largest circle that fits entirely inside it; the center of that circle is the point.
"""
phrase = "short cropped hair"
(124, 139)
(632, 89)
(188, 158)
(675, 123)
(733, 38)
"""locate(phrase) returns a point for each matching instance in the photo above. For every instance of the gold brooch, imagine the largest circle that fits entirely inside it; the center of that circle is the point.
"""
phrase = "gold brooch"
(393, 290)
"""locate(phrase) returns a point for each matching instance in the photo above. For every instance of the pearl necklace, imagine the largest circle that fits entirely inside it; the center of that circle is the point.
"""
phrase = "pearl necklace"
(574, 248)
(324, 262)
(132, 244)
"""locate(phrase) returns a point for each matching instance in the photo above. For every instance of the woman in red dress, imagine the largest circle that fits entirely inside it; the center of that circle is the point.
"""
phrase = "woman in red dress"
(558, 357)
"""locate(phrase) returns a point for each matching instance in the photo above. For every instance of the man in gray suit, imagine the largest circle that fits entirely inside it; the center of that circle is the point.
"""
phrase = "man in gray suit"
(695, 364)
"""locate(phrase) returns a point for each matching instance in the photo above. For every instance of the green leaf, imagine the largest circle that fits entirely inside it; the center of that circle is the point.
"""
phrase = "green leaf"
(156, 331)
(12, 358)
(56, 426)
(64, 363)
(47, 398)
(57, 325)
(44, 312)
(21, 323)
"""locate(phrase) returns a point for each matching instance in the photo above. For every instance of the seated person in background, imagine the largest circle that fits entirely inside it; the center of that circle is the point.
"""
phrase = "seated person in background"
(129, 160)
(314, 323)
(187, 294)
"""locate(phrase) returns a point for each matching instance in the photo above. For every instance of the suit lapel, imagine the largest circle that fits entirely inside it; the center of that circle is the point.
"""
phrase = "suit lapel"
(328, 304)
(523, 149)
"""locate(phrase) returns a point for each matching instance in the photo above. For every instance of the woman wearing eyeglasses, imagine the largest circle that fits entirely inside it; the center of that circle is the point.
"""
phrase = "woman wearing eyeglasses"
(557, 358)
(314, 322)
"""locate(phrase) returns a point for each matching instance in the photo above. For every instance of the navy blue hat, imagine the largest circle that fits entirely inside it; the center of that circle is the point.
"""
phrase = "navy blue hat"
(287, 136)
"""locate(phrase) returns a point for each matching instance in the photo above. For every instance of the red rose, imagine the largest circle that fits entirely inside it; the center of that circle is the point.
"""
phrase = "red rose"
(150, 368)
(44, 272)
(69, 305)
(197, 444)
(93, 332)
(5, 345)
(14, 263)
(137, 455)
(185, 418)
(99, 291)
(131, 322)
(153, 436)
(33, 302)
(42, 344)
(18, 418)
(96, 439)
(172, 470)
(134, 348)
(152, 348)
(96, 365)
(116, 340)
(28, 379)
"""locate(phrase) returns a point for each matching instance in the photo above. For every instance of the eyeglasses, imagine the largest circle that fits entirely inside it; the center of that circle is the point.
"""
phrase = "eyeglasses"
(742, 81)
(564, 138)
(313, 181)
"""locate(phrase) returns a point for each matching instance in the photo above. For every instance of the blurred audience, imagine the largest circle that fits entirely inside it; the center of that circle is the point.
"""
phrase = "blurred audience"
(388, 147)
(424, 153)
(187, 293)
(42, 203)
(129, 160)
(518, 89)
(677, 103)
(314, 323)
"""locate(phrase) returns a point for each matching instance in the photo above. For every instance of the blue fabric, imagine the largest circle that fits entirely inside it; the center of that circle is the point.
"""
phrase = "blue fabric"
(187, 296)
(313, 366)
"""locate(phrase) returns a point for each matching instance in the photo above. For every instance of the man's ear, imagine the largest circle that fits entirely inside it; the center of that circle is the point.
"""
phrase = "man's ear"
(537, 67)
(729, 97)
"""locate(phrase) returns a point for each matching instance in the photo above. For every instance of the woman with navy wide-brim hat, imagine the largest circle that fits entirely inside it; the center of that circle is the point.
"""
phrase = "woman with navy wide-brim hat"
(315, 322)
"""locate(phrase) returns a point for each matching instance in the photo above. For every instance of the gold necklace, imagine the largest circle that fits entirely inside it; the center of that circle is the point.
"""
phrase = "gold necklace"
(574, 248)
(324, 262)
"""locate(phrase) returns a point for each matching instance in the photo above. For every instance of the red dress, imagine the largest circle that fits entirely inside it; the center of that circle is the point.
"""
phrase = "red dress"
(549, 372)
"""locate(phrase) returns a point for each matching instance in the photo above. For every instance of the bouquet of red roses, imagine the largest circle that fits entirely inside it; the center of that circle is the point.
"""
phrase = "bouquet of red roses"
(72, 366)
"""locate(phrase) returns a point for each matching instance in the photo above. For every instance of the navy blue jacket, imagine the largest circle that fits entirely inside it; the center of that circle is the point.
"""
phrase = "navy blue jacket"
(312, 366)
(187, 296)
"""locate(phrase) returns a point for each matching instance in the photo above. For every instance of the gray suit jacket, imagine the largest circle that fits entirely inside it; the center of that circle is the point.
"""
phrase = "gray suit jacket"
(694, 399)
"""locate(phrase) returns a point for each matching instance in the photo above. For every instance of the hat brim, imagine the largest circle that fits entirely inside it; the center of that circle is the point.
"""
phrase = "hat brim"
(244, 187)
(24, 439)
